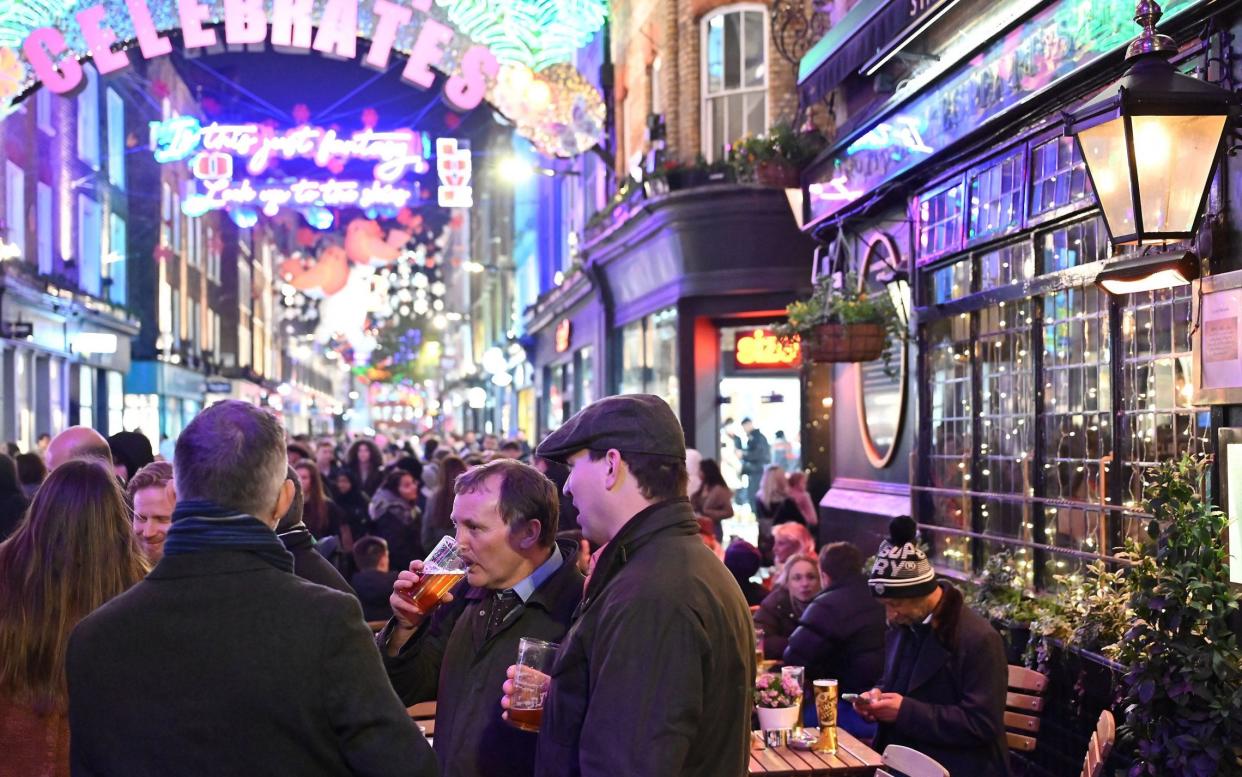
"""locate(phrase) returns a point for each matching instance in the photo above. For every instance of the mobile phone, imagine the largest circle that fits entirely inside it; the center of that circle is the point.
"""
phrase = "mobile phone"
(853, 698)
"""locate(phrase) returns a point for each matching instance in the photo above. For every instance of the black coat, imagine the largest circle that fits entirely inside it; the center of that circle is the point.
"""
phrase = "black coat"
(954, 705)
(219, 664)
(373, 588)
(12, 510)
(656, 675)
(776, 617)
(451, 659)
(840, 636)
(309, 563)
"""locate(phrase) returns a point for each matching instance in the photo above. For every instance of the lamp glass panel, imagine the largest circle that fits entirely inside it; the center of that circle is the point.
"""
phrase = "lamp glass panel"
(1174, 157)
(1104, 148)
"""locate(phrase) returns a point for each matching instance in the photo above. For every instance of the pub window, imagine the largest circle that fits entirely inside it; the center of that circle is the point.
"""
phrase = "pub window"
(951, 445)
(945, 284)
(1006, 266)
(940, 223)
(1074, 245)
(996, 198)
(1058, 175)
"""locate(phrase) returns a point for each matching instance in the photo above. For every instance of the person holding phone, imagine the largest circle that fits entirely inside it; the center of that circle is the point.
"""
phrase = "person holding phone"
(945, 675)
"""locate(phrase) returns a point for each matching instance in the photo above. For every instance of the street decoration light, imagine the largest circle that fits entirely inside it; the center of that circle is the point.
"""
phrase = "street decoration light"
(1151, 141)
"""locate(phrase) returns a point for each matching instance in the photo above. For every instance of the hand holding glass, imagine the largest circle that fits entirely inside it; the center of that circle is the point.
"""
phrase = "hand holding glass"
(442, 569)
(530, 683)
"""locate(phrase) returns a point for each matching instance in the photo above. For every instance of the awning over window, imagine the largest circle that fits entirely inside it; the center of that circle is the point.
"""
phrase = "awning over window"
(868, 27)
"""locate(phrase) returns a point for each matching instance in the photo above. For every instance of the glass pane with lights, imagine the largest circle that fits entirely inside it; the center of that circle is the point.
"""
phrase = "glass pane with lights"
(1104, 148)
(1174, 156)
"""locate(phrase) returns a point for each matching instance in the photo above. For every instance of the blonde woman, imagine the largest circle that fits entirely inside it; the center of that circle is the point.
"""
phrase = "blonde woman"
(779, 612)
(773, 506)
(73, 553)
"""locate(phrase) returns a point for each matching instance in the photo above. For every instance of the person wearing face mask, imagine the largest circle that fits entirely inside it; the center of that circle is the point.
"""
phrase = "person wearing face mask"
(779, 612)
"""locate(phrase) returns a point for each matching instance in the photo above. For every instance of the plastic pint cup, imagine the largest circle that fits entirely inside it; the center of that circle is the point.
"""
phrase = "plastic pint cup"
(530, 683)
(442, 569)
(826, 709)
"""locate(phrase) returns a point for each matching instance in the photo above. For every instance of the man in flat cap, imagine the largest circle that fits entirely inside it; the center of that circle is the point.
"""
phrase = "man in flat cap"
(655, 675)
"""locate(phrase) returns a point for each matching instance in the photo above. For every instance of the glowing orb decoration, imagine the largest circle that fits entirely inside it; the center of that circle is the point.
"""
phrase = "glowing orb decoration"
(558, 110)
(534, 33)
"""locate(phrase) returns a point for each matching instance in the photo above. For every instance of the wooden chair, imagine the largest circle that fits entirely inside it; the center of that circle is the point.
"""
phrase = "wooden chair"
(911, 763)
(377, 626)
(1023, 705)
(1100, 746)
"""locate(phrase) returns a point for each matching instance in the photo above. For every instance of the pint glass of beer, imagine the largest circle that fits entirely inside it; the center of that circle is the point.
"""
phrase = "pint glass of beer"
(826, 708)
(530, 683)
(442, 568)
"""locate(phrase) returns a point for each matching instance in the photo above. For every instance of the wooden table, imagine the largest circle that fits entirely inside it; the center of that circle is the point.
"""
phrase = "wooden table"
(852, 758)
(424, 714)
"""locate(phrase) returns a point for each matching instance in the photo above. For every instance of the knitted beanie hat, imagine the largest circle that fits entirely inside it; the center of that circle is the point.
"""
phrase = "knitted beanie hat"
(901, 569)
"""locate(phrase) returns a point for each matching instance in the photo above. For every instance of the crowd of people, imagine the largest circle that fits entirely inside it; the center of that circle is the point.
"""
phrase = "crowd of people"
(250, 600)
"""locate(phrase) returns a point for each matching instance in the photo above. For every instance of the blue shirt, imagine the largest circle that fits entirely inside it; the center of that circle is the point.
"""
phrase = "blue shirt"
(525, 588)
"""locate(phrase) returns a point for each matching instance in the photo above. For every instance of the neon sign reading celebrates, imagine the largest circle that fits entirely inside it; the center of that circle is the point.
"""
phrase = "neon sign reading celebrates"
(762, 350)
(397, 152)
(331, 27)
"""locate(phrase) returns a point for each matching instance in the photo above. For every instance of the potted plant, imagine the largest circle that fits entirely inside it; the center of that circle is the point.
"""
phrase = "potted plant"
(682, 175)
(843, 324)
(778, 699)
(1183, 684)
(778, 157)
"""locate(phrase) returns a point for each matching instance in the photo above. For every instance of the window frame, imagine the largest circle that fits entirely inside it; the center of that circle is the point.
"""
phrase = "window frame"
(707, 144)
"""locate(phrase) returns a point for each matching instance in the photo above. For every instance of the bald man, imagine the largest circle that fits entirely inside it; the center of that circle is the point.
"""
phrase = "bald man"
(78, 442)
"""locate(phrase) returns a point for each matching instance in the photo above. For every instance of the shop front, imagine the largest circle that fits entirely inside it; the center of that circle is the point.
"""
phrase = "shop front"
(1034, 400)
(566, 329)
(162, 398)
(682, 280)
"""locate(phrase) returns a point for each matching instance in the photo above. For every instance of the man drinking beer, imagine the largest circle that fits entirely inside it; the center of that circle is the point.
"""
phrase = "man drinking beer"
(519, 583)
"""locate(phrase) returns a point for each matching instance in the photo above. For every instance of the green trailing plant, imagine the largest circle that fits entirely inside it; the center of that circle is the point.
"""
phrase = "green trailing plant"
(1183, 685)
(782, 144)
(843, 303)
(998, 593)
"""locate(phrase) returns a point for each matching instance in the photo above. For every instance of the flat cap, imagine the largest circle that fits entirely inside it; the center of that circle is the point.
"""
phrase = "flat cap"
(631, 423)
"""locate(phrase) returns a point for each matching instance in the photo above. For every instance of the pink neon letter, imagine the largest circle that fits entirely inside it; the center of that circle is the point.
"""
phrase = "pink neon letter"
(99, 40)
(427, 50)
(291, 24)
(244, 21)
(390, 17)
(466, 90)
(41, 48)
(192, 17)
(150, 41)
(338, 29)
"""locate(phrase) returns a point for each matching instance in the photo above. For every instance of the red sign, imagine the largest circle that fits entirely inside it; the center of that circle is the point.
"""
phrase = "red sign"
(564, 331)
(762, 350)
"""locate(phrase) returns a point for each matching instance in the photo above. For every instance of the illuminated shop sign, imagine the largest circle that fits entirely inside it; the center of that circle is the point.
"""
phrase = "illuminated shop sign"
(564, 333)
(270, 198)
(453, 165)
(759, 349)
(1031, 58)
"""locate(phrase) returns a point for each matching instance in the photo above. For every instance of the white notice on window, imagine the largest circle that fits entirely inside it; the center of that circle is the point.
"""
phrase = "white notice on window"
(1234, 509)
(1220, 352)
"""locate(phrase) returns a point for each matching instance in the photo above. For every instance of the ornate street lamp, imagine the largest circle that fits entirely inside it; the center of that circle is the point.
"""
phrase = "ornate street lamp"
(1151, 141)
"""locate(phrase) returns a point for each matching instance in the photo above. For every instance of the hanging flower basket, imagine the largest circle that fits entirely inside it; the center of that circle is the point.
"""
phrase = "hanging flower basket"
(846, 343)
(778, 174)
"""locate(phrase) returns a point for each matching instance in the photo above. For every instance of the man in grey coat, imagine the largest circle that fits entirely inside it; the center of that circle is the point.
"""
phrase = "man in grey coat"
(655, 677)
(945, 675)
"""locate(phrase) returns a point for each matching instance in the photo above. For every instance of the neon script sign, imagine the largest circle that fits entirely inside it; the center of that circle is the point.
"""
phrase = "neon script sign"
(762, 350)
(396, 152)
(331, 27)
(270, 198)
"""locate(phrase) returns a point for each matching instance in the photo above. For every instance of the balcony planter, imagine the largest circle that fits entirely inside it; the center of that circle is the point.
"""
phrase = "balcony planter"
(778, 174)
(777, 158)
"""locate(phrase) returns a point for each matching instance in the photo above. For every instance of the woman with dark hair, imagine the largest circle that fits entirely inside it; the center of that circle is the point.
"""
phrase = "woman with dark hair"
(353, 502)
(366, 464)
(320, 514)
(394, 516)
(437, 523)
(714, 499)
(31, 471)
(78, 522)
(13, 501)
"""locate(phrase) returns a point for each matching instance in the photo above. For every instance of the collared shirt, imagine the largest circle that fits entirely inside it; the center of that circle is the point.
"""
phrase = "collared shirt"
(526, 587)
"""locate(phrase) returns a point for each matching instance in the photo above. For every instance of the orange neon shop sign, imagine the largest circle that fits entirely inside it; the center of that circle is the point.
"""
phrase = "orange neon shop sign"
(759, 349)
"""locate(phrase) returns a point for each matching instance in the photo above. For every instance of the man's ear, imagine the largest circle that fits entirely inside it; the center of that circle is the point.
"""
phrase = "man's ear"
(283, 501)
(170, 491)
(613, 474)
(528, 536)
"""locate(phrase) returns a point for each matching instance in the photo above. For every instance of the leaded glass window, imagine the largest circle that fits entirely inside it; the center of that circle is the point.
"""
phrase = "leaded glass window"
(1073, 245)
(1007, 265)
(1058, 175)
(948, 283)
(949, 363)
(940, 223)
(996, 198)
